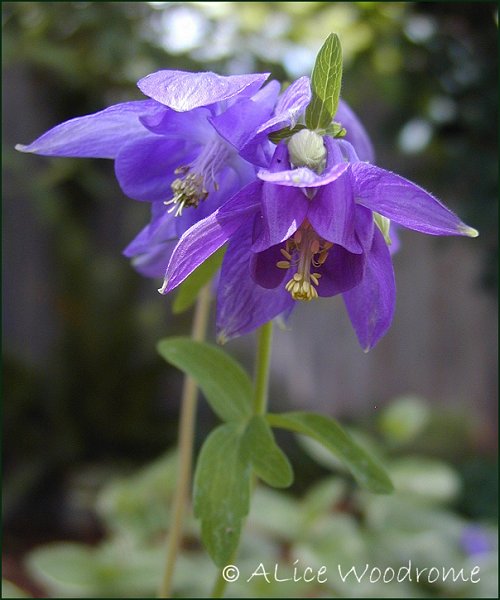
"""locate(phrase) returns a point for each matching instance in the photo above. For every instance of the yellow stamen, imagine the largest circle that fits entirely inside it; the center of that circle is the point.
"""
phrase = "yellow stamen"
(306, 248)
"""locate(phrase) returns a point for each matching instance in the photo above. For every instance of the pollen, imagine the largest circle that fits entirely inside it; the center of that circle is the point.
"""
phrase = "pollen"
(188, 191)
(303, 251)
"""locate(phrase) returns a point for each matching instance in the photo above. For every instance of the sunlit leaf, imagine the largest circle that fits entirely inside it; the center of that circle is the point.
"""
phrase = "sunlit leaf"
(326, 80)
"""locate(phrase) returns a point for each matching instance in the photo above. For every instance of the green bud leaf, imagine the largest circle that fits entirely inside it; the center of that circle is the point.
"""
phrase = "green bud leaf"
(335, 130)
(268, 460)
(326, 80)
(221, 493)
(366, 470)
(225, 384)
(283, 134)
(190, 287)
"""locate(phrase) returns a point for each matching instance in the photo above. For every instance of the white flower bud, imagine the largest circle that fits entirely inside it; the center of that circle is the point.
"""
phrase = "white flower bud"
(307, 149)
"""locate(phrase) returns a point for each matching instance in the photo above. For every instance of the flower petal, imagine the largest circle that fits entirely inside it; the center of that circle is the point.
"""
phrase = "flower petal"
(342, 271)
(242, 305)
(239, 121)
(283, 209)
(303, 177)
(371, 304)
(332, 212)
(154, 261)
(183, 91)
(404, 202)
(99, 135)
(356, 133)
(289, 107)
(161, 228)
(264, 270)
(145, 168)
(193, 126)
(208, 235)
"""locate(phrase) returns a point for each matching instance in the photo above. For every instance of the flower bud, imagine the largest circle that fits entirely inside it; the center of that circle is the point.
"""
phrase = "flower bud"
(306, 149)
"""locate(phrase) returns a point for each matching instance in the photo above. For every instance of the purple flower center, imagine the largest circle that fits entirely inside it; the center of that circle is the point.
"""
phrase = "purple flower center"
(303, 250)
(199, 178)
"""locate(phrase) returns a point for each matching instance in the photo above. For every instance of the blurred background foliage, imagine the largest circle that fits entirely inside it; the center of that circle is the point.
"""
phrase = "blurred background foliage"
(85, 394)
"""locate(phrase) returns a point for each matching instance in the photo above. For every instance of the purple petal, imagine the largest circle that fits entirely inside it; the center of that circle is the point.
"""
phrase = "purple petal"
(303, 177)
(154, 260)
(242, 305)
(283, 209)
(145, 168)
(356, 133)
(193, 126)
(404, 202)
(99, 135)
(332, 212)
(364, 227)
(289, 107)
(341, 271)
(264, 270)
(184, 91)
(161, 228)
(208, 235)
(239, 121)
(371, 304)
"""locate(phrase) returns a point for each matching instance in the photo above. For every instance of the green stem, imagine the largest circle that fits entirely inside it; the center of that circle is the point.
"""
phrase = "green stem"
(262, 369)
(260, 398)
(186, 438)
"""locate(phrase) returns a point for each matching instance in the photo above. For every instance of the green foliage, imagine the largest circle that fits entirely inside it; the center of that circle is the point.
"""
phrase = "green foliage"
(222, 491)
(367, 471)
(225, 384)
(326, 81)
(189, 289)
(267, 459)
(330, 524)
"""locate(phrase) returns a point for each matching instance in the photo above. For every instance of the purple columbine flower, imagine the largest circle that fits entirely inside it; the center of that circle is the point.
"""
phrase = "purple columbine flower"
(316, 226)
(170, 150)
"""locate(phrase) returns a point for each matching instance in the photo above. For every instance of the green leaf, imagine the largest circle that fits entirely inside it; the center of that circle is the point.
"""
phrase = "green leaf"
(286, 132)
(326, 80)
(225, 384)
(268, 460)
(190, 287)
(367, 471)
(222, 491)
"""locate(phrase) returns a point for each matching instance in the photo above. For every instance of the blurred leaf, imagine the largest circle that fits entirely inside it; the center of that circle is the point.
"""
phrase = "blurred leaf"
(222, 491)
(226, 386)
(326, 80)
(425, 478)
(403, 420)
(190, 287)
(267, 458)
(113, 569)
(10, 590)
(367, 471)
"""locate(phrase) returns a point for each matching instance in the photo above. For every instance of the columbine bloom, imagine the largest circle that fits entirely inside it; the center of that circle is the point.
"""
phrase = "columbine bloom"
(168, 149)
(309, 231)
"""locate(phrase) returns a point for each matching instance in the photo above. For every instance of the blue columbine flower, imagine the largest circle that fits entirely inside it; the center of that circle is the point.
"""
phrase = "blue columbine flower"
(170, 150)
(316, 224)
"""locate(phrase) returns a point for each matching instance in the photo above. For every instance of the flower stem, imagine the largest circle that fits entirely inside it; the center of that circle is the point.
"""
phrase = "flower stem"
(260, 398)
(186, 437)
(262, 369)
